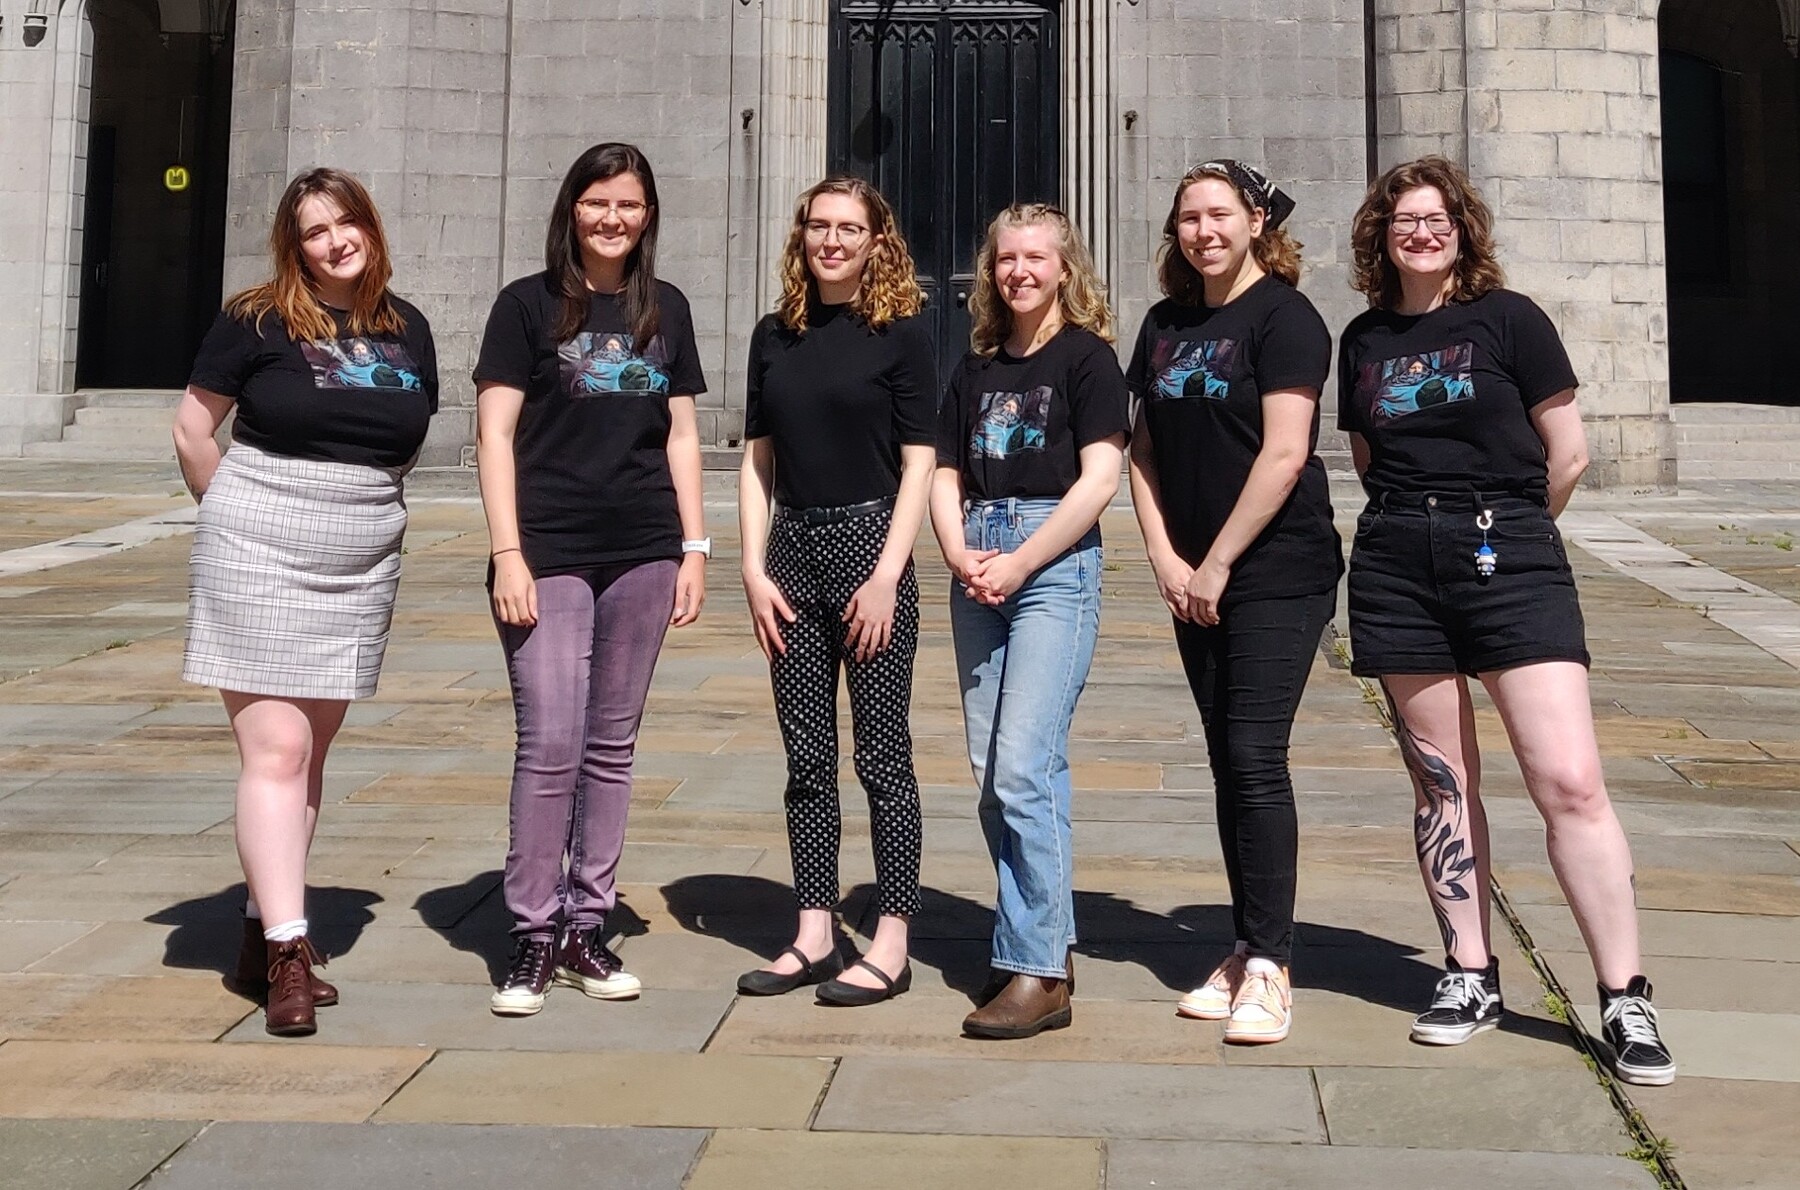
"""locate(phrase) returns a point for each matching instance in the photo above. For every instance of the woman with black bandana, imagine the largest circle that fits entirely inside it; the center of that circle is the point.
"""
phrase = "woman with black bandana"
(1236, 515)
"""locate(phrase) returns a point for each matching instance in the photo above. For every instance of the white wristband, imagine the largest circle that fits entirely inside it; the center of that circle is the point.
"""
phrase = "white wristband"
(699, 545)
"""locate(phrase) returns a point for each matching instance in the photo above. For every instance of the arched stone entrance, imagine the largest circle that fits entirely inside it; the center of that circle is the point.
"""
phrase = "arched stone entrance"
(1731, 163)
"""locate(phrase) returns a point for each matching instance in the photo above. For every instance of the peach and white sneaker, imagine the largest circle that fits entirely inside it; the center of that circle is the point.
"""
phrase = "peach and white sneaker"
(1263, 1009)
(1212, 1000)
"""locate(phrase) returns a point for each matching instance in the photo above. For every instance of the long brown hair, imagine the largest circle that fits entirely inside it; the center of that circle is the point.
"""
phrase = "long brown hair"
(1082, 293)
(1275, 250)
(291, 294)
(890, 285)
(1373, 272)
(562, 244)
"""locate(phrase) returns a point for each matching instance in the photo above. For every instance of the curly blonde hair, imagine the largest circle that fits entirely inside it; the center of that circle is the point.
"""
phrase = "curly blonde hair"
(890, 285)
(1081, 292)
(1275, 250)
(1373, 271)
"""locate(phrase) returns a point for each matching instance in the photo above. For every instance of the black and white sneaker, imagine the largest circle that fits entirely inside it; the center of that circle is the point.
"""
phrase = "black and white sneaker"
(1628, 1023)
(527, 978)
(1465, 1003)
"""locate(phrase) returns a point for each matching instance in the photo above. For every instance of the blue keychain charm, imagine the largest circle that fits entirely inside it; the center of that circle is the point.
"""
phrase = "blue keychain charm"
(1486, 560)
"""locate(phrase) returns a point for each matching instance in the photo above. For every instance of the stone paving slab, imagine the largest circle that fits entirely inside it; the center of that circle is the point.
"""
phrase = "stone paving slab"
(1713, 984)
(23, 943)
(977, 1097)
(659, 1090)
(86, 1154)
(82, 1008)
(1738, 1045)
(198, 1081)
(739, 1160)
(1707, 1171)
(1147, 1164)
(1727, 1117)
(234, 1156)
(456, 1016)
(1547, 1111)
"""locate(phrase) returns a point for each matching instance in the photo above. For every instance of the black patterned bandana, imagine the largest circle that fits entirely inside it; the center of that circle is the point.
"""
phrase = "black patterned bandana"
(1258, 192)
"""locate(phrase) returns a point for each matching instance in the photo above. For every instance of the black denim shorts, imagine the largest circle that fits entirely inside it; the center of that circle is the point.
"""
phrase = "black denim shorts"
(1418, 605)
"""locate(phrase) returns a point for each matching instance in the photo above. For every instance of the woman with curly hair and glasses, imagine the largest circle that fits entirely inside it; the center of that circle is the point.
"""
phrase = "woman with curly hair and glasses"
(1236, 514)
(1460, 404)
(842, 388)
(296, 558)
(1030, 440)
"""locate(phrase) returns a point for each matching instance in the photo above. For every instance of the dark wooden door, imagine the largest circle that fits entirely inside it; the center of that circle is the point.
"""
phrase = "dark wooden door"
(952, 110)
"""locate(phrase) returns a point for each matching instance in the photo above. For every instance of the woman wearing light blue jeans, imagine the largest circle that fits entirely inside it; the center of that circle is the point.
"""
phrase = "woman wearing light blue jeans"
(1030, 441)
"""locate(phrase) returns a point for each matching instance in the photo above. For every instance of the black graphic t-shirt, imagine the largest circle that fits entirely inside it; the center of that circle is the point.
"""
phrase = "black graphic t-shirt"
(1202, 373)
(1444, 399)
(364, 399)
(839, 402)
(592, 440)
(1015, 426)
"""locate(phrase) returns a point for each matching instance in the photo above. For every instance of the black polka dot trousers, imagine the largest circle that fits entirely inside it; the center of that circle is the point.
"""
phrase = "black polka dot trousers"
(818, 567)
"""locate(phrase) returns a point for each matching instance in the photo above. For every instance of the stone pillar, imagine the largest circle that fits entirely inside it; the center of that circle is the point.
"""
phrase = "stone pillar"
(1553, 107)
(413, 101)
(1279, 84)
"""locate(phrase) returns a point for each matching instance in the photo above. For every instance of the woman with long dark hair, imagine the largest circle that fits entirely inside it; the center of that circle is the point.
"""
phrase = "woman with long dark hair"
(1460, 404)
(1030, 440)
(1236, 514)
(296, 558)
(590, 476)
(842, 389)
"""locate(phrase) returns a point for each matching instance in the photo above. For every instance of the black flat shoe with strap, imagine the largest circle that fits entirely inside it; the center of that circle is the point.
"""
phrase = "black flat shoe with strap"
(774, 983)
(851, 995)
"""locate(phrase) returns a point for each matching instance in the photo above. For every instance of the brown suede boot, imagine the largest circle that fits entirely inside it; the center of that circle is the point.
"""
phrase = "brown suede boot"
(290, 1010)
(997, 981)
(1026, 1007)
(252, 975)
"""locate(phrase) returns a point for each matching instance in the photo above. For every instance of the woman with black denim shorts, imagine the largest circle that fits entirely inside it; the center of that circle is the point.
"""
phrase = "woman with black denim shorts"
(1460, 404)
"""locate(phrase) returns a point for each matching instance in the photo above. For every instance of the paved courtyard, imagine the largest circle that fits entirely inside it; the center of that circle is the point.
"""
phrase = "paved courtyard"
(125, 1063)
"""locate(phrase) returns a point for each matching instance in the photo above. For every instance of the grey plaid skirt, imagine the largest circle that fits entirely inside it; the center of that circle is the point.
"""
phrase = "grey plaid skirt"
(293, 576)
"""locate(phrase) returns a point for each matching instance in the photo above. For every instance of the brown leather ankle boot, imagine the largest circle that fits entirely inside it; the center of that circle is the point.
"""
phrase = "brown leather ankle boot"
(1027, 1006)
(290, 1010)
(252, 975)
(997, 981)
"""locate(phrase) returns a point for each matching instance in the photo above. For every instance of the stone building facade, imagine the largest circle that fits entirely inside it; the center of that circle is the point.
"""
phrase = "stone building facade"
(462, 115)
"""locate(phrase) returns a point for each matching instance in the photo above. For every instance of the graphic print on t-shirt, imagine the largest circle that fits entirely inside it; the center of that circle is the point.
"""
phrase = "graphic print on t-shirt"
(361, 363)
(1010, 424)
(1188, 369)
(596, 363)
(1392, 388)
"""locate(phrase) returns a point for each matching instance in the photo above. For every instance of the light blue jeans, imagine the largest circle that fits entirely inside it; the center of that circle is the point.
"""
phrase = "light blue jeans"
(1021, 667)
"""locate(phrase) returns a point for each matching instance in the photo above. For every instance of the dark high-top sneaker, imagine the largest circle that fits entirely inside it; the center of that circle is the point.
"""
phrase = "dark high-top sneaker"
(252, 976)
(1628, 1023)
(1465, 1003)
(527, 980)
(583, 962)
(290, 1010)
(1025, 1007)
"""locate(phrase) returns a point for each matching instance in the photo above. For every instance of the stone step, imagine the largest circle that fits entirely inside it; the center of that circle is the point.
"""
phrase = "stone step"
(130, 398)
(1732, 412)
(137, 451)
(128, 434)
(1724, 434)
(1775, 448)
(142, 417)
(1763, 469)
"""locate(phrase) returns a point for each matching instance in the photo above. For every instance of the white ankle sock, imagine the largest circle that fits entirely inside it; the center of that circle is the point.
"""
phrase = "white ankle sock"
(250, 909)
(1261, 966)
(287, 931)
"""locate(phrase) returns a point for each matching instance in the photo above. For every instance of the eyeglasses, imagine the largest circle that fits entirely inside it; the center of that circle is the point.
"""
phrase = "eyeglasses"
(625, 208)
(850, 235)
(1438, 224)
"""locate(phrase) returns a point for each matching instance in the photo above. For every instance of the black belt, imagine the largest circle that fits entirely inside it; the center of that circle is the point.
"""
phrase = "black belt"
(830, 516)
(1451, 500)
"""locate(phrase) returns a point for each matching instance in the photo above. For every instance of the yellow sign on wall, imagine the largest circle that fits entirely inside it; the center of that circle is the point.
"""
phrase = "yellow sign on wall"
(176, 179)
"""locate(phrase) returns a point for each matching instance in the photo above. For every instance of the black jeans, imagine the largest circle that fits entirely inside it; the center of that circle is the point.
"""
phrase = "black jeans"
(1247, 674)
(818, 568)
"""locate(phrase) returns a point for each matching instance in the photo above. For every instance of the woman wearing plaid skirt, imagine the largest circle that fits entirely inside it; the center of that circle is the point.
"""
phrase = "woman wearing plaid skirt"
(296, 555)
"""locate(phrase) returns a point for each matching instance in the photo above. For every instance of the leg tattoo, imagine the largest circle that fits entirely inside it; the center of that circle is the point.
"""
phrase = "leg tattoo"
(1440, 827)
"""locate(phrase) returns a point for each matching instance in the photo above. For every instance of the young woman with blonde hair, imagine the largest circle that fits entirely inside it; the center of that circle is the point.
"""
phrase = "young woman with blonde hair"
(296, 558)
(1236, 514)
(842, 386)
(1030, 438)
(1460, 404)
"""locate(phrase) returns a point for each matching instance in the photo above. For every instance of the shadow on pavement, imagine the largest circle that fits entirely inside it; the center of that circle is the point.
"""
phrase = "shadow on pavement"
(209, 929)
(753, 912)
(472, 917)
